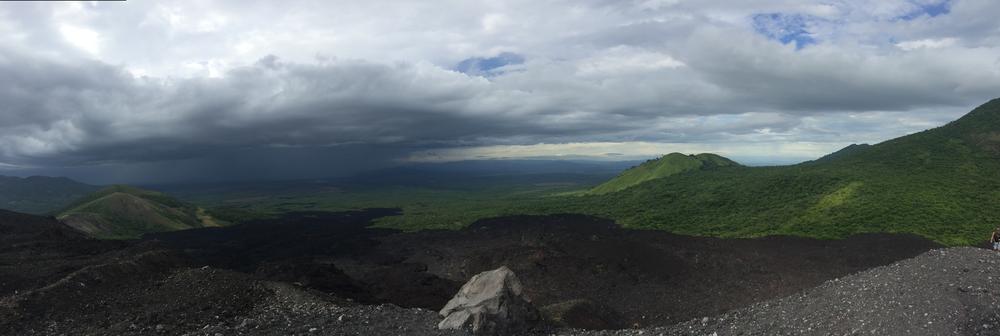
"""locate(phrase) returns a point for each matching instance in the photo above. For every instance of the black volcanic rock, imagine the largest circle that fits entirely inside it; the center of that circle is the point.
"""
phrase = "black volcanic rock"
(35, 251)
(583, 314)
(56, 281)
(649, 277)
(942, 292)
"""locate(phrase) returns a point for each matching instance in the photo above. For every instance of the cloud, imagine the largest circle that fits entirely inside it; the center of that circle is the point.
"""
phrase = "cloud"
(927, 44)
(83, 38)
(624, 60)
(139, 86)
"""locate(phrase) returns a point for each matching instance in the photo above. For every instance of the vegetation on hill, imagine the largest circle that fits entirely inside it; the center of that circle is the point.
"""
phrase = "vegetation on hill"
(942, 183)
(40, 194)
(667, 165)
(121, 212)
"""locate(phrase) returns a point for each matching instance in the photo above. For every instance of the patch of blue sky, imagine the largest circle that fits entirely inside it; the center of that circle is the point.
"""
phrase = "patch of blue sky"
(930, 9)
(488, 66)
(785, 28)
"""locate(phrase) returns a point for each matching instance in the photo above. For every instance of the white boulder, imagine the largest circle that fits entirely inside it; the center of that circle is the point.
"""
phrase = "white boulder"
(491, 303)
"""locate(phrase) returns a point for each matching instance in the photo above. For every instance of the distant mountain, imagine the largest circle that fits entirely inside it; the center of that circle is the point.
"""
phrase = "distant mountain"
(40, 194)
(667, 165)
(942, 183)
(127, 212)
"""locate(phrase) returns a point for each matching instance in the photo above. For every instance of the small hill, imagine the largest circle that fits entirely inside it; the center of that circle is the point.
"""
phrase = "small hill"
(121, 212)
(40, 194)
(667, 165)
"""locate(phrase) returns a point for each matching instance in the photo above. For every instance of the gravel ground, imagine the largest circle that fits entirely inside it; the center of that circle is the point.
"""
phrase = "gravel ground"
(207, 301)
(953, 291)
(55, 282)
(646, 278)
(292, 311)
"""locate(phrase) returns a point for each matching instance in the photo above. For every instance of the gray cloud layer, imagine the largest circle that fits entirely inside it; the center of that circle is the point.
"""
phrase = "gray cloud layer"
(323, 87)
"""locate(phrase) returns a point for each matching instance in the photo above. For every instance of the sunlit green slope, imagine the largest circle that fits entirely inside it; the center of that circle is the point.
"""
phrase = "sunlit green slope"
(667, 165)
(942, 183)
(128, 212)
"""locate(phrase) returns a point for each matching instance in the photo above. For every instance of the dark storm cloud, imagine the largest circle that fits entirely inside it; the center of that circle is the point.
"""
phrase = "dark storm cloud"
(89, 112)
(92, 113)
(186, 88)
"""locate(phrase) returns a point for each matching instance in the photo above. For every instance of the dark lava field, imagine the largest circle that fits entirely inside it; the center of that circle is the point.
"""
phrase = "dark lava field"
(320, 271)
(645, 277)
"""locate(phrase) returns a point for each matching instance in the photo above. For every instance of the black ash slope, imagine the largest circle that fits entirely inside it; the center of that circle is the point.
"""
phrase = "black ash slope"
(84, 287)
(56, 281)
(650, 277)
(952, 291)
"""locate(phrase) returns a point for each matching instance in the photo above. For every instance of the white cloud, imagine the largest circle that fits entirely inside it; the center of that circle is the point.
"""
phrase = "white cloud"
(83, 38)
(492, 22)
(623, 60)
(927, 44)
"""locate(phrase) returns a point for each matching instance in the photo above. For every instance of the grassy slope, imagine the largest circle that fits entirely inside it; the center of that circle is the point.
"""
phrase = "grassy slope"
(943, 184)
(670, 164)
(120, 212)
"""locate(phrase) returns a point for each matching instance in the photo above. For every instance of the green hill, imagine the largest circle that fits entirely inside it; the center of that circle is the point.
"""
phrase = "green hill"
(119, 212)
(942, 183)
(667, 165)
(40, 194)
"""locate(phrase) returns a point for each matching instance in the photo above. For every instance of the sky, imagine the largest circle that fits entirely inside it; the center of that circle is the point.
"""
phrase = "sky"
(160, 91)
